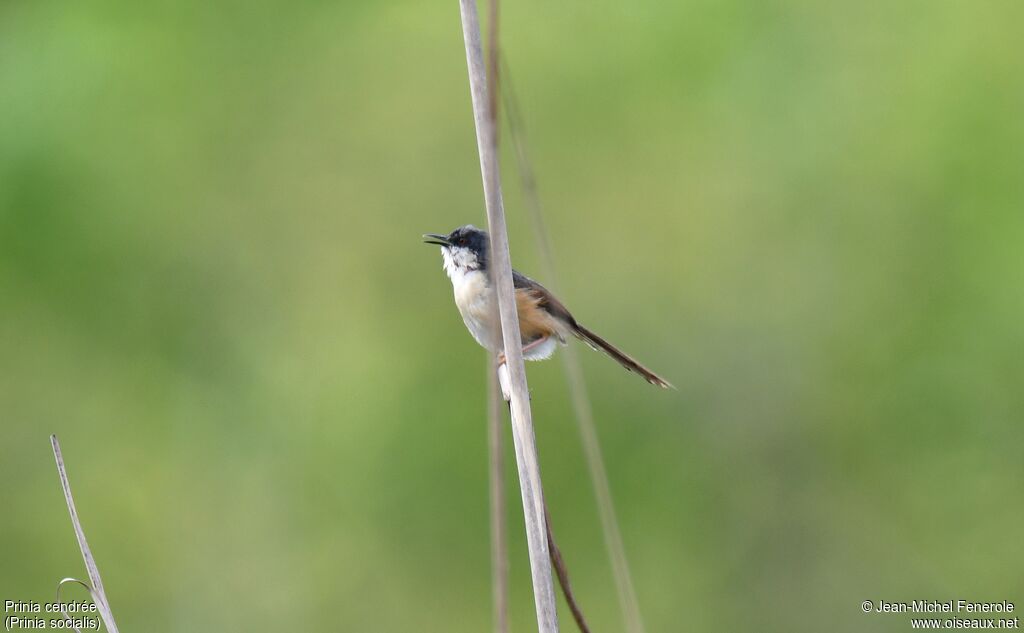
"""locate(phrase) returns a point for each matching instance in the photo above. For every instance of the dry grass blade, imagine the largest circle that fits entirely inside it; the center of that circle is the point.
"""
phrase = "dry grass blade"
(99, 594)
(581, 401)
(68, 620)
(563, 578)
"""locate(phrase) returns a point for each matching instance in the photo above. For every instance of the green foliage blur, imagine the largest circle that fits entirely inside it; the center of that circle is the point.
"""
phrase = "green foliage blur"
(808, 216)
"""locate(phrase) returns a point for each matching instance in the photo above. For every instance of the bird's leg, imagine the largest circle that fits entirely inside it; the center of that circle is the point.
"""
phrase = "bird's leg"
(534, 344)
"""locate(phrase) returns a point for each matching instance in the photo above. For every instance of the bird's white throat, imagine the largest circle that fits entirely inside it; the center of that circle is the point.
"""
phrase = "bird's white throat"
(459, 262)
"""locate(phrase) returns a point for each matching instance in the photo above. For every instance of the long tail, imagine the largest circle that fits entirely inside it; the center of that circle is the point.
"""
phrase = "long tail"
(624, 359)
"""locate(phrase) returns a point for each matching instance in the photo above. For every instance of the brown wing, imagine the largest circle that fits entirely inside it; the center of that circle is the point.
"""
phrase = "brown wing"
(544, 299)
(540, 313)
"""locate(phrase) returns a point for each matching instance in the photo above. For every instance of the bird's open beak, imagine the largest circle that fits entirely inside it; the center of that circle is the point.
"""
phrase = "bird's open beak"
(434, 238)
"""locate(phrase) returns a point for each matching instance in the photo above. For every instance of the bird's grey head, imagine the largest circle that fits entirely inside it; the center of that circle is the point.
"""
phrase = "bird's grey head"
(465, 249)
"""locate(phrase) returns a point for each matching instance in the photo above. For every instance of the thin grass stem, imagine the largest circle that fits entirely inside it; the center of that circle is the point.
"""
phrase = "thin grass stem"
(499, 539)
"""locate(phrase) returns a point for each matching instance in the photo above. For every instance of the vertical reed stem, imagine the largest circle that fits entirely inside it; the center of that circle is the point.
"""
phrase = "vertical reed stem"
(519, 403)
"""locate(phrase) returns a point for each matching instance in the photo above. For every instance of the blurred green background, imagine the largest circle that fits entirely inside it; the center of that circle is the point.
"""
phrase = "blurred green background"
(809, 216)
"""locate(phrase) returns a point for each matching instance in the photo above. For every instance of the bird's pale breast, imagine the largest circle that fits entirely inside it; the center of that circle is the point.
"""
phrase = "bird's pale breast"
(474, 296)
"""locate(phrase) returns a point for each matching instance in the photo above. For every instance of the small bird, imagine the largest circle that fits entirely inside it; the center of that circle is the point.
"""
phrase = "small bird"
(544, 321)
